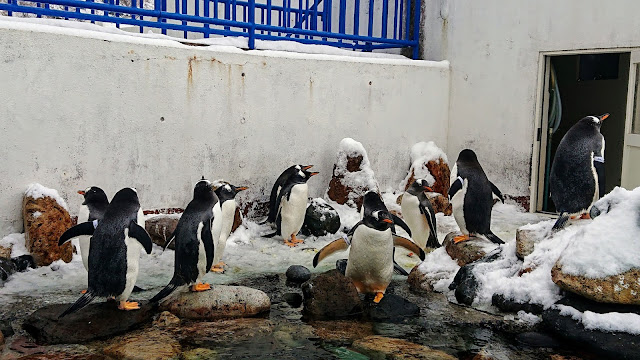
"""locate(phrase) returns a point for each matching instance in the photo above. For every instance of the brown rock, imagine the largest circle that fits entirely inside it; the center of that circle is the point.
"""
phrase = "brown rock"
(617, 289)
(237, 220)
(1, 340)
(440, 203)
(467, 251)
(44, 222)
(342, 330)
(5, 252)
(64, 356)
(160, 228)
(350, 164)
(166, 320)
(380, 348)
(440, 171)
(418, 281)
(200, 354)
(223, 331)
(330, 295)
(147, 345)
(525, 241)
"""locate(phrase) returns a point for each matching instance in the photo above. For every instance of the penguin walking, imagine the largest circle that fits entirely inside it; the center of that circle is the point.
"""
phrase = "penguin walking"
(577, 173)
(419, 215)
(226, 193)
(278, 185)
(370, 263)
(114, 252)
(471, 198)
(292, 206)
(93, 208)
(195, 246)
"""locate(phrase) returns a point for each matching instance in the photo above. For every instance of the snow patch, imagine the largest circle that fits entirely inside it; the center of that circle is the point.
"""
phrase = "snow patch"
(38, 191)
(439, 268)
(608, 322)
(17, 244)
(422, 153)
(359, 181)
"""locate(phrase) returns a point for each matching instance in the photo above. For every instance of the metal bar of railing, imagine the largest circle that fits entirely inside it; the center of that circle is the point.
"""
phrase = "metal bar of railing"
(408, 19)
(370, 25)
(416, 29)
(385, 18)
(252, 21)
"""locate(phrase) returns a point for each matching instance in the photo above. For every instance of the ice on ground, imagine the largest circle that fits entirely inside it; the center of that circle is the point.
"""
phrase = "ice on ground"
(608, 322)
(608, 245)
(528, 318)
(38, 191)
(17, 244)
(422, 153)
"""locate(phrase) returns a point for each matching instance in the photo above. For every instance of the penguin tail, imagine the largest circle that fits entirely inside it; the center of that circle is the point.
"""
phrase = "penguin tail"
(270, 235)
(166, 291)
(399, 269)
(493, 238)
(137, 289)
(433, 241)
(561, 222)
(83, 301)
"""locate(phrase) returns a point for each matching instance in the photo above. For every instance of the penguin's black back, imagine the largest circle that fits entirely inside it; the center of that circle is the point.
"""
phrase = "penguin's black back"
(97, 202)
(571, 182)
(280, 182)
(108, 252)
(478, 200)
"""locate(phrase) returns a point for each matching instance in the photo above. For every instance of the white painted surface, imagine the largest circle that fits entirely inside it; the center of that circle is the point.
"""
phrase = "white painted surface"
(494, 48)
(82, 108)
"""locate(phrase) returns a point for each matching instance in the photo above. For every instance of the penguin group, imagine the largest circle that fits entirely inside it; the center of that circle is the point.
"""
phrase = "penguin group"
(111, 234)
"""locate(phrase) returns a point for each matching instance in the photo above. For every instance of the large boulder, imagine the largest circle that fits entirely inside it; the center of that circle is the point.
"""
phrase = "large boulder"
(527, 237)
(147, 345)
(161, 227)
(46, 218)
(330, 295)
(381, 348)
(352, 174)
(618, 289)
(221, 302)
(468, 251)
(320, 219)
(96, 321)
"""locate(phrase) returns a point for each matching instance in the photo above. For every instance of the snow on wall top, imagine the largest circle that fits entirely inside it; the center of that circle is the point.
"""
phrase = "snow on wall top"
(608, 245)
(421, 153)
(359, 180)
(37, 191)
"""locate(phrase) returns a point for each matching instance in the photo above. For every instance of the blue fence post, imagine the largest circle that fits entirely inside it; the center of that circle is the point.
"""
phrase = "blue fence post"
(252, 26)
(416, 29)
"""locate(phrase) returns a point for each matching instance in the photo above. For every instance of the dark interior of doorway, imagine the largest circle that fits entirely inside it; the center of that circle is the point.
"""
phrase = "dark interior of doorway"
(589, 84)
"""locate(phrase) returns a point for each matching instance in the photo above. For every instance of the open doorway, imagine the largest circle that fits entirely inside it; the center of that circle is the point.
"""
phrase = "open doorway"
(580, 85)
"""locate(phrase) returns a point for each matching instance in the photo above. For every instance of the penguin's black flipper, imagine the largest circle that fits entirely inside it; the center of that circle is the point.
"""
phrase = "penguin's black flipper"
(137, 289)
(561, 222)
(85, 228)
(598, 164)
(166, 291)
(207, 241)
(83, 301)
(353, 229)
(496, 191)
(399, 269)
(493, 238)
(171, 238)
(336, 245)
(409, 245)
(270, 235)
(455, 187)
(139, 233)
(398, 221)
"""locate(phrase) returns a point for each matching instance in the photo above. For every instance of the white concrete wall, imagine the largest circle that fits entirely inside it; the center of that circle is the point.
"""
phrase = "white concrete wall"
(80, 108)
(493, 47)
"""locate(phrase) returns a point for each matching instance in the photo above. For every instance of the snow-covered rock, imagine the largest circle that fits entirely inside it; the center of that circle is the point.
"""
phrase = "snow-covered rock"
(435, 273)
(468, 251)
(352, 174)
(320, 219)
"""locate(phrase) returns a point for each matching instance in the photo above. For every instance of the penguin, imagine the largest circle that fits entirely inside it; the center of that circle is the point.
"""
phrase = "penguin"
(292, 206)
(419, 215)
(226, 193)
(114, 252)
(277, 186)
(93, 208)
(576, 180)
(471, 197)
(370, 262)
(195, 245)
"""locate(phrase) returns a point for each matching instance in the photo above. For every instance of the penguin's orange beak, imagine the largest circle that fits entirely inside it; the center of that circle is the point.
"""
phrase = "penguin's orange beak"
(241, 188)
(313, 173)
(426, 188)
(388, 221)
(604, 116)
(307, 167)
(81, 192)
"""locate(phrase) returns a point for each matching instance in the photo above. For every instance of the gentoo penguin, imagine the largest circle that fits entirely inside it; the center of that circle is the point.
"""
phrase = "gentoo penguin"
(292, 206)
(277, 186)
(471, 198)
(93, 208)
(577, 174)
(419, 215)
(370, 262)
(115, 250)
(194, 242)
(226, 193)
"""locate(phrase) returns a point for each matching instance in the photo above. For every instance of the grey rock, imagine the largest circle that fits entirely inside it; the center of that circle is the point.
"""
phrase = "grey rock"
(298, 274)
(320, 219)
(330, 295)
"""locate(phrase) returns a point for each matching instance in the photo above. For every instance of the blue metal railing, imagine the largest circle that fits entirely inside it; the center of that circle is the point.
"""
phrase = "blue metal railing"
(353, 24)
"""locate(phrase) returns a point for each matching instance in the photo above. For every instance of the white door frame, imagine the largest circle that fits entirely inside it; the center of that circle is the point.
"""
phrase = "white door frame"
(631, 140)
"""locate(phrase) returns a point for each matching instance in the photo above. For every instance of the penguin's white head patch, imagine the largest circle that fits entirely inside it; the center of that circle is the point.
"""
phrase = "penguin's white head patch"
(376, 214)
(87, 189)
(595, 119)
(302, 174)
(219, 183)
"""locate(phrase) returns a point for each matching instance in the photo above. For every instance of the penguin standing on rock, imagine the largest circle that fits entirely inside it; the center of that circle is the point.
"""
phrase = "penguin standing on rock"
(292, 206)
(419, 215)
(278, 185)
(370, 264)
(226, 193)
(577, 174)
(114, 252)
(471, 198)
(194, 239)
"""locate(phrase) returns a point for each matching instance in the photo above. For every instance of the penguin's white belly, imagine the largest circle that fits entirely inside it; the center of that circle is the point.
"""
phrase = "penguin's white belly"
(227, 216)
(417, 222)
(371, 258)
(133, 257)
(202, 255)
(84, 241)
(293, 211)
(457, 207)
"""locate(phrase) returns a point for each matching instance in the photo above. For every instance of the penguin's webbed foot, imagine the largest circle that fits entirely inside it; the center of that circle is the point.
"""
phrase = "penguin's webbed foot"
(218, 268)
(410, 254)
(379, 296)
(128, 305)
(460, 238)
(290, 243)
(296, 240)
(585, 216)
(83, 291)
(200, 287)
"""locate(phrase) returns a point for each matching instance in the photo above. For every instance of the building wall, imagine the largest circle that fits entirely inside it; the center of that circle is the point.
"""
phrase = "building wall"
(81, 108)
(494, 50)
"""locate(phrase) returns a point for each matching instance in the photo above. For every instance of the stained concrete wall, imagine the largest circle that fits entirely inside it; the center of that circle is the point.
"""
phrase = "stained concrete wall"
(494, 49)
(81, 108)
